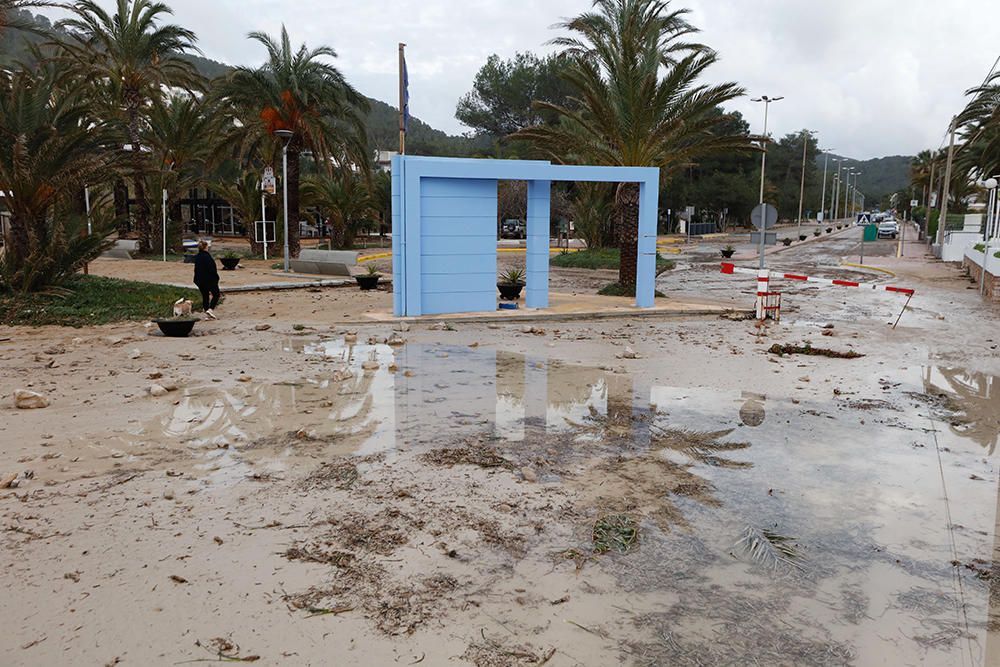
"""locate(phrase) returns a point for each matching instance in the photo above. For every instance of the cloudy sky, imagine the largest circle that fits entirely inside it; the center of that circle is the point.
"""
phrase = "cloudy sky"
(873, 77)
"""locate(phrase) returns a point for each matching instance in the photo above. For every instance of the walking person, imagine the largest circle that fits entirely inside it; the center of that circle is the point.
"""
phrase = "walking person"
(206, 277)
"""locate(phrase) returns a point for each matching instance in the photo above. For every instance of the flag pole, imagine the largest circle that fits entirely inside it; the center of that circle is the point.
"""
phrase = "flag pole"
(402, 101)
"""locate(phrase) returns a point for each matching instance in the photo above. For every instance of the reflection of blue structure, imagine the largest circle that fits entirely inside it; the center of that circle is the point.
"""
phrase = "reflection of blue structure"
(444, 220)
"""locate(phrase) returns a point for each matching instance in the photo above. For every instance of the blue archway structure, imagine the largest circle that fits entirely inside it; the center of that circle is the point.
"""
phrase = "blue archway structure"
(444, 221)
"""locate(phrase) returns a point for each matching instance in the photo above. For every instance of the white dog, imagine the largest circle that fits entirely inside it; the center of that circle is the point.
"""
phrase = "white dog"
(182, 307)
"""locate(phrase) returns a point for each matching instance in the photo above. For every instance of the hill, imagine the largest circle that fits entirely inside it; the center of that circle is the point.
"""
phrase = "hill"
(382, 121)
(879, 177)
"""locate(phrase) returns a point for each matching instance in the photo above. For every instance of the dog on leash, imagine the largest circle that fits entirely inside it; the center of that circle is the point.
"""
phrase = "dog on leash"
(182, 307)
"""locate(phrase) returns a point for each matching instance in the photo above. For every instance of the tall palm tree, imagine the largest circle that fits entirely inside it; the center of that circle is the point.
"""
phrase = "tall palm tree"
(979, 125)
(50, 148)
(130, 57)
(637, 101)
(345, 199)
(299, 91)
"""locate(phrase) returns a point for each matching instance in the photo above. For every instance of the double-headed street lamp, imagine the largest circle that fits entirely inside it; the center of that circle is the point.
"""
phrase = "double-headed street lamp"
(826, 162)
(763, 161)
(836, 187)
(286, 135)
(806, 135)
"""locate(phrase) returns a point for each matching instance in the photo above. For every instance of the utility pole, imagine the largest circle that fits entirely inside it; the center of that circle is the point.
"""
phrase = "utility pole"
(943, 220)
(930, 193)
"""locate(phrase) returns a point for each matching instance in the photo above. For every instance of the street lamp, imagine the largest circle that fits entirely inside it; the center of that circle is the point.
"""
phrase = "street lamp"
(991, 208)
(763, 161)
(286, 135)
(826, 162)
(806, 134)
(836, 189)
(854, 195)
(847, 190)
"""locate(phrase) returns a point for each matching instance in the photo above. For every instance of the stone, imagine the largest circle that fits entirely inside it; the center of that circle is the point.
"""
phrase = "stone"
(370, 365)
(29, 400)
(529, 474)
(262, 327)
(629, 353)
(168, 494)
(395, 341)
(351, 337)
(156, 390)
(134, 354)
(244, 378)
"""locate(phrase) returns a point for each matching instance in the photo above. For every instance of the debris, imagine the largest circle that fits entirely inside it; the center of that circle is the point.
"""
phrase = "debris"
(178, 579)
(788, 348)
(29, 400)
(156, 390)
(615, 531)
(244, 378)
(395, 340)
(262, 327)
(529, 474)
(629, 353)
(134, 354)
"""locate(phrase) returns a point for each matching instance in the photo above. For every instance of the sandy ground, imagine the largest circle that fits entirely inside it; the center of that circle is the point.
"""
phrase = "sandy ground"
(316, 492)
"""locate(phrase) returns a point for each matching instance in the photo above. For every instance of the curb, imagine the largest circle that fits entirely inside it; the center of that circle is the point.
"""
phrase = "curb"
(870, 268)
(544, 317)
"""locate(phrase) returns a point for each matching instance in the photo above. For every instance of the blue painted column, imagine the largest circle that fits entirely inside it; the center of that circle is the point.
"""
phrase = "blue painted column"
(645, 273)
(398, 242)
(537, 260)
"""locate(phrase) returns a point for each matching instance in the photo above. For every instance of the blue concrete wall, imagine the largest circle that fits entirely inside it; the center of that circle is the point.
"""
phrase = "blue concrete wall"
(458, 245)
(444, 230)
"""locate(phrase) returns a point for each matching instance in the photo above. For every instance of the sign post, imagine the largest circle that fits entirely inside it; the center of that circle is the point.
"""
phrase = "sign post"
(268, 186)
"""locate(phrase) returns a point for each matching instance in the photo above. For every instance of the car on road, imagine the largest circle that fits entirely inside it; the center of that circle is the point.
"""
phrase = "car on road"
(888, 229)
(513, 229)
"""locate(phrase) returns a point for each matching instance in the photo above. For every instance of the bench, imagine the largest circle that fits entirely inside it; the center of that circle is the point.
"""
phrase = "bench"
(325, 262)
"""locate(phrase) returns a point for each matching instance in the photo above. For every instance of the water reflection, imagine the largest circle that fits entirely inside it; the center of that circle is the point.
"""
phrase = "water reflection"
(974, 397)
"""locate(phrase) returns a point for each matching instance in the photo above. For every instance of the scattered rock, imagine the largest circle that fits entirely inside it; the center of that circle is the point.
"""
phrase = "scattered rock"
(262, 327)
(168, 494)
(134, 354)
(155, 375)
(29, 400)
(244, 378)
(529, 474)
(370, 365)
(351, 337)
(629, 353)
(395, 340)
(156, 390)
(55, 349)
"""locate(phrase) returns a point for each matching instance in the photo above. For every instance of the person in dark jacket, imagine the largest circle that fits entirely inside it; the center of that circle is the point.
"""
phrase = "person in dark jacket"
(206, 277)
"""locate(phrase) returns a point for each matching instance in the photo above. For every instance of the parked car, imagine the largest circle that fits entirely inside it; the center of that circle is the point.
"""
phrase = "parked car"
(888, 229)
(512, 229)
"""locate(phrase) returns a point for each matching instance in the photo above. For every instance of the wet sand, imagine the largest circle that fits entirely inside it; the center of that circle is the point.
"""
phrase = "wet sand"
(494, 494)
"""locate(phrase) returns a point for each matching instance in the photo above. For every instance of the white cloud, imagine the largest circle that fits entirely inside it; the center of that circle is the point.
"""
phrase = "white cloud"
(874, 77)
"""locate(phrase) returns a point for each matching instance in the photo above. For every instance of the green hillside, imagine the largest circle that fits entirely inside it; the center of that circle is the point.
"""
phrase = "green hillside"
(383, 119)
(879, 176)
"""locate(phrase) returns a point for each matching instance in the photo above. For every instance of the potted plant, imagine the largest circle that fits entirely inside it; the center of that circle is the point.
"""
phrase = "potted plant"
(787, 242)
(829, 229)
(369, 279)
(840, 226)
(511, 283)
(230, 260)
(802, 237)
(817, 233)
(176, 327)
(728, 251)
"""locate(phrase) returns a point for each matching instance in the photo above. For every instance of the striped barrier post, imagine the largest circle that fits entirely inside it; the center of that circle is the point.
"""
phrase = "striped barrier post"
(768, 302)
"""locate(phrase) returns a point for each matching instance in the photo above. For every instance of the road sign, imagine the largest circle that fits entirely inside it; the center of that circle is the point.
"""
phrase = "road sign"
(914, 203)
(770, 219)
(770, 238)
(268, 183)
(263, 231)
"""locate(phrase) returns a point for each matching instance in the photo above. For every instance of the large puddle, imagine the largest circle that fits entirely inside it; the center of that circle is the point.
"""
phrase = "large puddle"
(858, 530)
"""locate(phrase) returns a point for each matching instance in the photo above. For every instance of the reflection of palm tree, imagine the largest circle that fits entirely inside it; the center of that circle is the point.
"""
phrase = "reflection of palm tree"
(972, 396)
(701, 447)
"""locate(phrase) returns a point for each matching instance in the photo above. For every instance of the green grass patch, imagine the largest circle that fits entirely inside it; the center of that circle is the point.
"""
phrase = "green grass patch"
(615, 532)
(617, 289)
(92, 300)
(601, 258)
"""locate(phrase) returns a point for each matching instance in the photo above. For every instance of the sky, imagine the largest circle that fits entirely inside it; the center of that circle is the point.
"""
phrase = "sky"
(872, 77)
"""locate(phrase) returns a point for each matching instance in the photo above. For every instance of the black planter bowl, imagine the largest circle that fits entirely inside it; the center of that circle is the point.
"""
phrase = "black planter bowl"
(229, 263)
(510, 291)
(817, 233)
(727, 253)
(802, 237)
(829, 229)
(176, 328)
(787, 242)
(366, 282)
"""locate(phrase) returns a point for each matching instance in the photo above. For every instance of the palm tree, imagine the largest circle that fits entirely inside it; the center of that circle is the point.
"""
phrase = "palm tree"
(178, 135)
(300, 92)
(980, 128)
(637, 101)
(130, 57)
(344, 198)
(920, 169)
(50, 149)
(244, 196)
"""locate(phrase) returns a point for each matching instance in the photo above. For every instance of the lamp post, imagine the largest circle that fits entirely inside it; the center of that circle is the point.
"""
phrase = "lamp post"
(847, 189)
(806, 134)
(836, 191)
(854, 195)
(763, 161)
(286, 135)
(826, 162)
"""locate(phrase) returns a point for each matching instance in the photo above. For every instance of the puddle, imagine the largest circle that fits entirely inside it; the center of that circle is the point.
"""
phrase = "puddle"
(769, 531)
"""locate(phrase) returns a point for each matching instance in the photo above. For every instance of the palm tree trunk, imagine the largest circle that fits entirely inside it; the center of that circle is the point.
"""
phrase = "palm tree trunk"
(133, 100)
(294, 246)
(121, 206)
(627, 206)
(18, 238)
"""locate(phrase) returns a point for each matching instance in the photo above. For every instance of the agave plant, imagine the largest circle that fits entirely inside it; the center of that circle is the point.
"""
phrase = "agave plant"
(512, 276)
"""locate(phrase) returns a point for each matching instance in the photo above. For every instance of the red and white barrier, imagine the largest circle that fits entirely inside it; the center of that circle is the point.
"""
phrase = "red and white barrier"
(769, 303)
